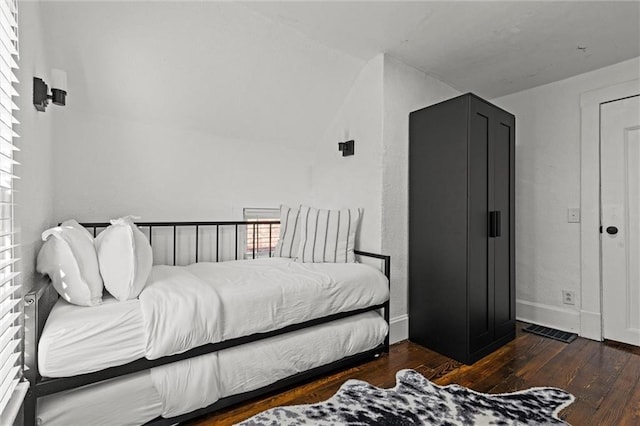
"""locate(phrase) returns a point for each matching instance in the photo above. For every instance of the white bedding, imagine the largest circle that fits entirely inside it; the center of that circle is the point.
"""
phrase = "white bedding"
(130, 400)
(180, 312)
(257, 296)
(78, 339)
(178, 388)
(267, 294)
(254, 365)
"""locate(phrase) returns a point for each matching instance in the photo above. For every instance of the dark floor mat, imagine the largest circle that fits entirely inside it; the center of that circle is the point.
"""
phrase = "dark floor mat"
(551, 333)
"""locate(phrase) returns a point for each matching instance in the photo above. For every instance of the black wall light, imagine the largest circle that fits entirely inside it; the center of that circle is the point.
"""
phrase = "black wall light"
(347, 148)
(58, 94)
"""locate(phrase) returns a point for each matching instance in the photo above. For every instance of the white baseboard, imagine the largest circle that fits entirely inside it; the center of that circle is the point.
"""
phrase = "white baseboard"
(531, 312)
(548, 316)
(591, 325)
(399, 328)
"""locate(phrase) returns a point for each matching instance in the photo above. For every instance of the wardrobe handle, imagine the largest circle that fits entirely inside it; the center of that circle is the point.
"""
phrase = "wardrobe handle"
(498, 225)
(495, 224)
(492, 224)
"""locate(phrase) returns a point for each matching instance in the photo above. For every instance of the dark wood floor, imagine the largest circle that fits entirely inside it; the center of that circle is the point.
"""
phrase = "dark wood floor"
(604, 377)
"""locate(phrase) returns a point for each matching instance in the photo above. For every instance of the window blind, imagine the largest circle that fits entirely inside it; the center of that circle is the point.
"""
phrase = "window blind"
(261, 239)
(9, 296)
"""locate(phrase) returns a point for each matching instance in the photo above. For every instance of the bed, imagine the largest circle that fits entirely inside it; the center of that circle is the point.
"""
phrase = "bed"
(202, 336)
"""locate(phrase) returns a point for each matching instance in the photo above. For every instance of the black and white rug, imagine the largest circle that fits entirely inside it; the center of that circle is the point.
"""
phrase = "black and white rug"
(417, 401)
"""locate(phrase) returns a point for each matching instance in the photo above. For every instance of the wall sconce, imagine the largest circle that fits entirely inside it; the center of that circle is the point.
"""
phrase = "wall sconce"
(58, 94)
(347, 148)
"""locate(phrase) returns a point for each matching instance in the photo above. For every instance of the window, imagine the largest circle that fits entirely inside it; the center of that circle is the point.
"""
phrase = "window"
(9, 295)
(261, 238)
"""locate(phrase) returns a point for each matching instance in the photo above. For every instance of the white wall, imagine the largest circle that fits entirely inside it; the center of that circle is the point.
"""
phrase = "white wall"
(108, 167)
(34, 199)
(376, 115)
(355, 181)
(406, 89)
(547, 183)
(180, 111)
(196, 110)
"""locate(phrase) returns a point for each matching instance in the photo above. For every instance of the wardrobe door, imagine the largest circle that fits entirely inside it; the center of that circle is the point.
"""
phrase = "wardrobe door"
(503, 203)
(480, 246)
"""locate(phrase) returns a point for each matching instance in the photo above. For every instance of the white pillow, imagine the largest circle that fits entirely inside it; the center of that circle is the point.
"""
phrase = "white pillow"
(125, 258)
(327, 235)
(69, 258)
(289, 240)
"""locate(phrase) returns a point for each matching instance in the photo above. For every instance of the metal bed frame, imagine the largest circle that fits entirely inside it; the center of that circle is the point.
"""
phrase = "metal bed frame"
(41, 299)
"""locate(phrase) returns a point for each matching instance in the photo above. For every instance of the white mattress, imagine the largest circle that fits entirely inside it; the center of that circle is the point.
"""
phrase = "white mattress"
(254, 365)
(80, 339)
(256, 296)
(130, 400)
(240, 369)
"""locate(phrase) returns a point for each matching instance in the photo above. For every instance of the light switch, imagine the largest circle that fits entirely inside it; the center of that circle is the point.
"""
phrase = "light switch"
(573, 215)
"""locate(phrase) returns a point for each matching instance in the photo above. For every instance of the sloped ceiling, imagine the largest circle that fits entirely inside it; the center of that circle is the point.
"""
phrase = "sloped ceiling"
(278, 71)
(214, 67)
(492, 48)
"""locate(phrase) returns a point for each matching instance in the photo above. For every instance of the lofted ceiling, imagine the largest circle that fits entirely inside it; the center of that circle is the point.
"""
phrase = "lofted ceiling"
(492, 48)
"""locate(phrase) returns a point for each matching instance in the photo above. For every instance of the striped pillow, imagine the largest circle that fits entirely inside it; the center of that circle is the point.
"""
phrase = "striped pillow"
(327, 235)
(289, 240)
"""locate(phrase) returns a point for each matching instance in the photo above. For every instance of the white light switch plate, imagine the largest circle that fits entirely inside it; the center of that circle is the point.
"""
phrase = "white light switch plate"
(573, 215)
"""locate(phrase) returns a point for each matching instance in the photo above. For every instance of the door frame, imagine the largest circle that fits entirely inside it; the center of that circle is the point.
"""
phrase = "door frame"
(590, 252)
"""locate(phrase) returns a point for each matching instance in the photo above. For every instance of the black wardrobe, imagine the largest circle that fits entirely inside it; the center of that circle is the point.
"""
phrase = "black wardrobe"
(462, 227)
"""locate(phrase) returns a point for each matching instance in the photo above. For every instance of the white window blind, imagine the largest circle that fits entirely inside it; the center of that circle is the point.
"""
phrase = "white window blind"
(9, 296)
(261, 239)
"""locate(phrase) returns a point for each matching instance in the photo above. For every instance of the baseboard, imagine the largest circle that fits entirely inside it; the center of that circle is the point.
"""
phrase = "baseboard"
(399, 328)
(586, 324)
(548, 316)
(591, 325)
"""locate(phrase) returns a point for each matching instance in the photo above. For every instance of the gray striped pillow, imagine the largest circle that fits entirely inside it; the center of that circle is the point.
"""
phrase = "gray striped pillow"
(327, 235)
(289, 240)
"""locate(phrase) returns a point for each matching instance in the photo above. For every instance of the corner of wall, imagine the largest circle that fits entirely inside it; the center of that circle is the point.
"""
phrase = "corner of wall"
(554, 171)
(34, 196)
(354, 181)
(399, 328)
(405, 89)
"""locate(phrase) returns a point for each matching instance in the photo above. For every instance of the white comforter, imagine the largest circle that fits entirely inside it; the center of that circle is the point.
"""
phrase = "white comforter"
(180, 312)
(185, 307)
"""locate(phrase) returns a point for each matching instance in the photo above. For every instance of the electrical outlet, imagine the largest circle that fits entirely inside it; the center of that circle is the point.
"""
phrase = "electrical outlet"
(568, 297)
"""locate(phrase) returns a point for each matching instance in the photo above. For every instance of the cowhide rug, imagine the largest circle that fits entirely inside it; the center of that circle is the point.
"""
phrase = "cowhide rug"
(417, 401)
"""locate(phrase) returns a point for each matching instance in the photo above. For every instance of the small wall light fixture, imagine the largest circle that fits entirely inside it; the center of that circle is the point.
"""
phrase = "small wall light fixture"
(347, 148)
(58, 94)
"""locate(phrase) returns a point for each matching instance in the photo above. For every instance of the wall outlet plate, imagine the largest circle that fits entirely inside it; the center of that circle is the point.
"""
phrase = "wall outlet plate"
(568, 297)
(573, 215)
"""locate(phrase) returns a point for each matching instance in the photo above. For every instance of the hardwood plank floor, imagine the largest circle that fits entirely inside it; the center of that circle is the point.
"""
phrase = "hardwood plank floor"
(604, 377)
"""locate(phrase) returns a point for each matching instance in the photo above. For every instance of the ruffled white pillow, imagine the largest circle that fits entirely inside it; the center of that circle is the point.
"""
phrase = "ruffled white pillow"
(69, 258)
(125, 258)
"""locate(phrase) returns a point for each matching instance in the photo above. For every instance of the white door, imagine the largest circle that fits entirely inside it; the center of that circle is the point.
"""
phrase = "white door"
(620, 219)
